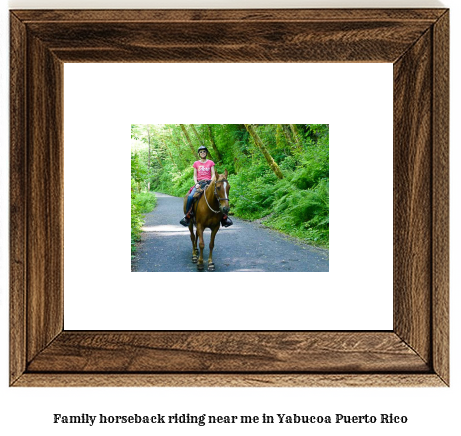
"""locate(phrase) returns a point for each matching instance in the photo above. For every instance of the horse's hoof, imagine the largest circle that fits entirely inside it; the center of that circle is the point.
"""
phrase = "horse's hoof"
(211, 267)
(194, 259)
(200, 266)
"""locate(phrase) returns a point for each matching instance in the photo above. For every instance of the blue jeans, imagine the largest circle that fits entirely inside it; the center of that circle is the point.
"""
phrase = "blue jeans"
(202, 183)
(190, 199)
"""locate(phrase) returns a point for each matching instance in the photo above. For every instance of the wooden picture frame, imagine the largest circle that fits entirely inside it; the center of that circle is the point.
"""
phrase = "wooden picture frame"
(414, 353)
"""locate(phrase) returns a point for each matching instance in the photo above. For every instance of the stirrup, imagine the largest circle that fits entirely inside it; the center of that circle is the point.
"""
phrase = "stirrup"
(185, 221)
(227, 222)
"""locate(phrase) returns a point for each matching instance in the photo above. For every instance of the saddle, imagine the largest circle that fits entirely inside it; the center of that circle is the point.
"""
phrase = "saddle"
(199, 191)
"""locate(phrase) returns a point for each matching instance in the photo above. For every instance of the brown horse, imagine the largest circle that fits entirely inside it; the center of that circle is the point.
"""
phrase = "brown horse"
(208, 212)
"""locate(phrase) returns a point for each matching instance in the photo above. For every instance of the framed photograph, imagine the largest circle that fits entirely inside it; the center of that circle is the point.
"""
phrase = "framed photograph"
(414, 353)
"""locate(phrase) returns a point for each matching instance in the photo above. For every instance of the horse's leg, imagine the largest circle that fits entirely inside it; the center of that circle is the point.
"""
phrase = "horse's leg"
(201, 245)
(194, 243)
(210, 257)
(196, 239)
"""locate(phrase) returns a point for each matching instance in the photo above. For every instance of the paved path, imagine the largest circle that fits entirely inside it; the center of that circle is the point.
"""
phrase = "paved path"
(246, 246)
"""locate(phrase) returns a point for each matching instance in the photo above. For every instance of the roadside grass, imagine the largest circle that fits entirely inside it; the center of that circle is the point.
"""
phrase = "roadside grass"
(141, 203)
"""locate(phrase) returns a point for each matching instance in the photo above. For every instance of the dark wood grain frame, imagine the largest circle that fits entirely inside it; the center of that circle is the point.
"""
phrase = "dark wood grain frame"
(414, 353)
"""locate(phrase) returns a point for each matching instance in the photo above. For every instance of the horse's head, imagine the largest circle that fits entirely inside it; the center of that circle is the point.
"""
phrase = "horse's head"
(221, 191)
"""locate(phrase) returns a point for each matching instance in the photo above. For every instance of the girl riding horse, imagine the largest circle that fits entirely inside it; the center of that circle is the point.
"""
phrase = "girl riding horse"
(204, 171)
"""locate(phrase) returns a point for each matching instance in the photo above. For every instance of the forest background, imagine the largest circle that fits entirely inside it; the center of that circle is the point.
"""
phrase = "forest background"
(278, 173)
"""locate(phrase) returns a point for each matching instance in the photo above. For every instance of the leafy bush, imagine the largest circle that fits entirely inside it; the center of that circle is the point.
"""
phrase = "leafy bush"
(136, 224)
(252, 192)
(175, 183)
(304, 213)
(145, 201)
(141, 203)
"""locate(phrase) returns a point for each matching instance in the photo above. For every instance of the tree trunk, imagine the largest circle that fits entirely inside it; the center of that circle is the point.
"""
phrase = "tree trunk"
(186, 134)
(295, 132)
(287, 133)
(169, 153)
(292, 137)
(196, 134)
(148, 160)
(158, 159)
(213, 144)
(175, 141)
(270, 160)
(283, 130)
(149, 137)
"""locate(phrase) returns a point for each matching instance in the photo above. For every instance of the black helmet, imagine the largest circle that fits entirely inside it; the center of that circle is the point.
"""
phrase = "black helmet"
(202, 147)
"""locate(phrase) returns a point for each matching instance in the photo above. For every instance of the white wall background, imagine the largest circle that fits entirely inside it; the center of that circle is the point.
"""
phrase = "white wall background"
(30, 410)
(100, 291)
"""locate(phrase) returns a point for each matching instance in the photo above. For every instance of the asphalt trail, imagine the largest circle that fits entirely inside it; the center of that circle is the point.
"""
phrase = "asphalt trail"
(246, 246)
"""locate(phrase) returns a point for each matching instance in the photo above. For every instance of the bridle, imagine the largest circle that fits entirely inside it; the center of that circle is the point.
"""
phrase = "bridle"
(216, 196)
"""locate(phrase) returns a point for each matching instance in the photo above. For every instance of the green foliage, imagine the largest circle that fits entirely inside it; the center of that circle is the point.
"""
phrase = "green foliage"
(141, 202)
(174, 183)
(136, 224)
(252, 192)
(138, 169)
(297, 204)
(304, 213)
(136, 219)
(145, 201)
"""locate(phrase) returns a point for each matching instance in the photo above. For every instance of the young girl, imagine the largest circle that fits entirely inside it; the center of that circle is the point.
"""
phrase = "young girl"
(203, 173)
